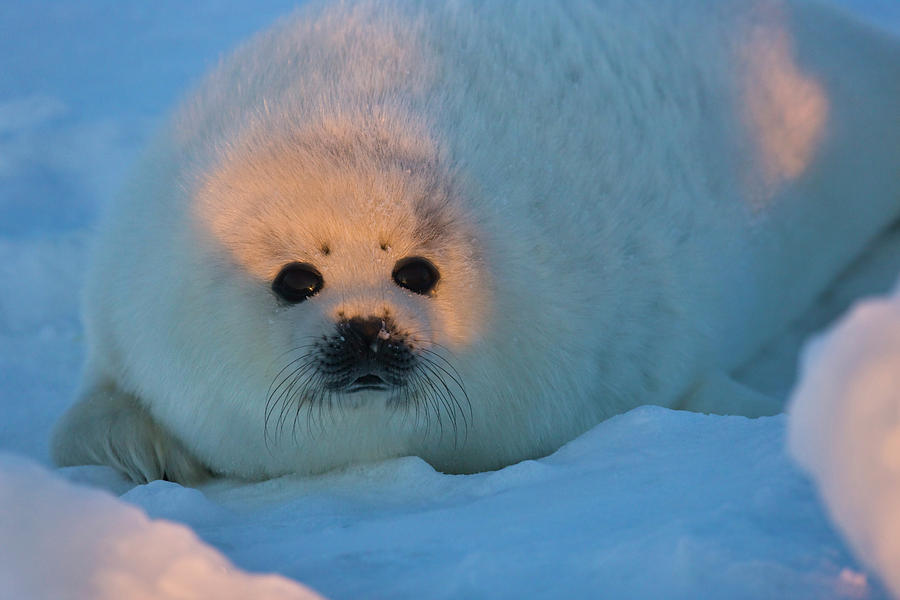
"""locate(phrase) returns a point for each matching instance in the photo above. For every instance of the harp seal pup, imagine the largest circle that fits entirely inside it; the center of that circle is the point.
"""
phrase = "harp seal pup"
(469, 231)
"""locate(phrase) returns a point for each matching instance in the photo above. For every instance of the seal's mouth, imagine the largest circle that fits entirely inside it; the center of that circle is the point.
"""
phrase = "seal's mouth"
(367, 382)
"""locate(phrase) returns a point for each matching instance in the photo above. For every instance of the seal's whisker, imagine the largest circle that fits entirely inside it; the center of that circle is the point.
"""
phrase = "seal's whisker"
(281, 390)
(413, 401)
(289, 399)
(312, 397)
(450, 369)
(282, 381)
(447, 397)
(436, 393)
(295, 348)
(432, 365)
(435, 399)
(424, 401)
(285, 368)
(272, 402)
(297, 398)
(271, 395)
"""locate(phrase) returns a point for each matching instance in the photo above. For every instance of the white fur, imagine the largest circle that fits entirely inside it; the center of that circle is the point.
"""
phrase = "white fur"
(624, 200)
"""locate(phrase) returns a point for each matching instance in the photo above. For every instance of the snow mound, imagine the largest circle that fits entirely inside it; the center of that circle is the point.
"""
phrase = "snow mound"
(844, 429)
(651, 504)
(63, 541)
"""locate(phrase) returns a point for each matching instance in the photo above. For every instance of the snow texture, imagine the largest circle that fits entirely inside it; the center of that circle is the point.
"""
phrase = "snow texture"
(66, 541)
(650, 504)
(845, 429)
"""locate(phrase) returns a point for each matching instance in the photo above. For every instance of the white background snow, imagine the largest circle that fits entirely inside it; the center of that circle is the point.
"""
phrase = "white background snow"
(650, 504)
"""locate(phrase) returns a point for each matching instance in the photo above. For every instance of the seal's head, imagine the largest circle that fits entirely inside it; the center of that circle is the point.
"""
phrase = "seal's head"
(358, 281)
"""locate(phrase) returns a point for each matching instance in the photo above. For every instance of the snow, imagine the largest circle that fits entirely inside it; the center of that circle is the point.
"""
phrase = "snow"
(654, 503)
(66, 541)
(845, 429)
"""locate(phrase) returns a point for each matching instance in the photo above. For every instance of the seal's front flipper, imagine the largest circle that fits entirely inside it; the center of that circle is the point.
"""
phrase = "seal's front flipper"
(719, 394)
(107, 426)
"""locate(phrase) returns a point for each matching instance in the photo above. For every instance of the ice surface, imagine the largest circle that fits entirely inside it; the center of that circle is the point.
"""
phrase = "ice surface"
(845, 429)
(651, 504)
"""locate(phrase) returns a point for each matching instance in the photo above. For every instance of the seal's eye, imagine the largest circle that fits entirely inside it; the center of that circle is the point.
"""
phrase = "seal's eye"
(296, 282)
(416, 274)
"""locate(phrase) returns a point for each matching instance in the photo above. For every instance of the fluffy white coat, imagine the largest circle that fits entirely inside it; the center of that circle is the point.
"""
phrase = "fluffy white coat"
(623, 199)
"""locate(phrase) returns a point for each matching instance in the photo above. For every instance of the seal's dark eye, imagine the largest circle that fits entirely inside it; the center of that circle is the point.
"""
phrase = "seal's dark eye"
(296, 282)
(416, 274)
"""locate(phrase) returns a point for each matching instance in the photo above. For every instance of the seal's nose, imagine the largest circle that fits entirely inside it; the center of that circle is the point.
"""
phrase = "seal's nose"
(367, 330)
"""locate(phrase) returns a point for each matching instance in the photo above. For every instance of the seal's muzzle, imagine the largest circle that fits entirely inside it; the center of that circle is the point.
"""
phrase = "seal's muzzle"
(366, 354)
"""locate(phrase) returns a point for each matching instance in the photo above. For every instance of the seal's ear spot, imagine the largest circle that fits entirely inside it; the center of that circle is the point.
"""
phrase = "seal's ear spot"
(296, 282)
(416, 274)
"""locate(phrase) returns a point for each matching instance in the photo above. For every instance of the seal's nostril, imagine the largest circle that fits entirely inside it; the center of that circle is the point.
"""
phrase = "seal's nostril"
(368, 329)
